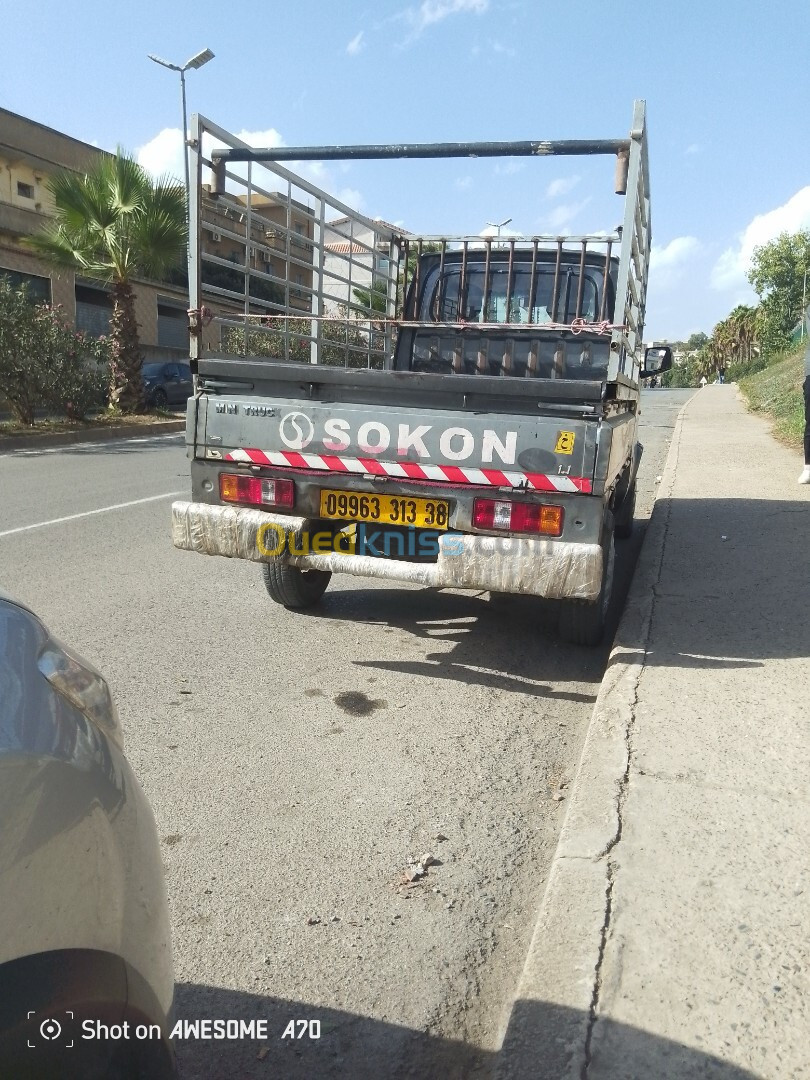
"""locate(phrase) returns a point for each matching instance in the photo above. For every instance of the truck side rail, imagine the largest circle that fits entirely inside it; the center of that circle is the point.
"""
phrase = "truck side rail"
(292, 284)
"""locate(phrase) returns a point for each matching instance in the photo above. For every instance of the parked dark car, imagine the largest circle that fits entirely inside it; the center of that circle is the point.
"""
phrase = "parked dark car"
(167, 385)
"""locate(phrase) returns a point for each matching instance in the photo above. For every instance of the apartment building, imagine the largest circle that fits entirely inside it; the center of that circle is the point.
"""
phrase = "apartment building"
(355, 257)
(29, 153)
(273, 238)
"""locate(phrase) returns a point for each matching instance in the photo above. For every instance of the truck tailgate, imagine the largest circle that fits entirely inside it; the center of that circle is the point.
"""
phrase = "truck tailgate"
(278, 426)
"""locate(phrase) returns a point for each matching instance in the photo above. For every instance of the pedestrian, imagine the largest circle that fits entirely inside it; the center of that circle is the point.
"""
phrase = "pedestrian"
(703, 381)
(805, 476)
(721, 375)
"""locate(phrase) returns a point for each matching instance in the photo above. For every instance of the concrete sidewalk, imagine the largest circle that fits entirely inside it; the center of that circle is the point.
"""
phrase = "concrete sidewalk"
(674, 937)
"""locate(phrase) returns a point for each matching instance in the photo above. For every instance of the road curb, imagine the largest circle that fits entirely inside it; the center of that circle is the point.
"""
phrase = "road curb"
(546, 1034)
(89, 434)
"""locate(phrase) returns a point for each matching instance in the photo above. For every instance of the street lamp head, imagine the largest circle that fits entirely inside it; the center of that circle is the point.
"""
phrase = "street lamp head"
(163, 63)
(199, 59)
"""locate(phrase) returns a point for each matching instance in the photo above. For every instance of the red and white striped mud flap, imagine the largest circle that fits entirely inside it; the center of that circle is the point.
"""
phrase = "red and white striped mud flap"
(409, 470)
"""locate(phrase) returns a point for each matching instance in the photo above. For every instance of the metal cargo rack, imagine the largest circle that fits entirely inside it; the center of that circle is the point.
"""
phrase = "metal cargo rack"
(282, 270)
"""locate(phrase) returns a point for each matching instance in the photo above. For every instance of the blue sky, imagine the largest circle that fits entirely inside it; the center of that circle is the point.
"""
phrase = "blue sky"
(727, 87)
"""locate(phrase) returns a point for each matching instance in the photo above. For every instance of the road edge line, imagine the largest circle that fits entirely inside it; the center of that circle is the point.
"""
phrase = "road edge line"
(45, 441)
(545, 1032)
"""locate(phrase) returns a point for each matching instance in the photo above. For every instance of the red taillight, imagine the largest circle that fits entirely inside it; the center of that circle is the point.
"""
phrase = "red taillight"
(256, 490)
(518, 517)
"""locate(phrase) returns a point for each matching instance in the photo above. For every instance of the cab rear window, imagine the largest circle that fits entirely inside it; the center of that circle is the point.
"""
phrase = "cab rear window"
(472, 297)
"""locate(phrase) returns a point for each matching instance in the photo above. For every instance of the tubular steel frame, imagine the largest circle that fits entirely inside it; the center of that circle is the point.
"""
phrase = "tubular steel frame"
(332, 294)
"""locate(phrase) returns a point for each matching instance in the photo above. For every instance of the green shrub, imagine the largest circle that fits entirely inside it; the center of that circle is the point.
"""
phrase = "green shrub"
(44, 363)
(337, 335)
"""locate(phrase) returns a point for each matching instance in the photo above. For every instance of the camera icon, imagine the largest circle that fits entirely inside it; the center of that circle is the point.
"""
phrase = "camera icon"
(52, 1029)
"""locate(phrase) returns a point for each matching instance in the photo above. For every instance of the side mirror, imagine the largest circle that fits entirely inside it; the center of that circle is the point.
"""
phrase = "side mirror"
(656, 361)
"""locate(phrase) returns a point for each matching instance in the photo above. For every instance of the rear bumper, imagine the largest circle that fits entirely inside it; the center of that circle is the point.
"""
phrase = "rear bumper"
(548, 568)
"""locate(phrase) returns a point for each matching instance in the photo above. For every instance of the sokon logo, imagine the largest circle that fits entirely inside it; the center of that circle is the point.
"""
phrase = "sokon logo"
(296, 430)
(412, 442)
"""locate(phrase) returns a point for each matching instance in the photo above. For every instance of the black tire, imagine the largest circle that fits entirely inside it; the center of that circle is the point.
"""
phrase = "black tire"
(159, 398)
(623, 528)
(583, 623)
(294, 588)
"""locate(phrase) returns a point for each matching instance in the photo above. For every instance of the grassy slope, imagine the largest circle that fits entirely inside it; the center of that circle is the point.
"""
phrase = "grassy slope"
(776, 393)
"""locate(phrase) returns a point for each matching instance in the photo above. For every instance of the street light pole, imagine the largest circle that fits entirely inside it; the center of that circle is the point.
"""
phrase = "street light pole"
(196, 61)
(185, 133)
(498, 226)
(804, 304)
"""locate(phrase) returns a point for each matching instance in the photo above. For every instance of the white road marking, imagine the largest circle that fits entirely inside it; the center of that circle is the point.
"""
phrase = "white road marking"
(90, 513)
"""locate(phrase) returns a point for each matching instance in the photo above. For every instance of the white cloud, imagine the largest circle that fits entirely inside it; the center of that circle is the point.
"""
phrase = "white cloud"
(693, 148)
(431, 12)
(464, 182)
(356, 45)
(352, 197)
(163, 154)
(560, 187)
(510, 167)
(267, 137)
(674, 254)
(560, 217)
(731, 269)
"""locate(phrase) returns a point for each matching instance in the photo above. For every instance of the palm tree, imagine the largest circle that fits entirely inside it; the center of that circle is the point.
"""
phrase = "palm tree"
(743, 320)
(114, 224)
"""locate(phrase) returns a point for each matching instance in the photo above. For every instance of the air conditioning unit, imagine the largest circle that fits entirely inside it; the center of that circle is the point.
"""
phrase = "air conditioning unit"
(267, 257)
(272, 234)
(216, 237)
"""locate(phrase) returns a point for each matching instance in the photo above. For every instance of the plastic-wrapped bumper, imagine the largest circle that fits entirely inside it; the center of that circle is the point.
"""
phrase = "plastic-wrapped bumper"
(549, 568)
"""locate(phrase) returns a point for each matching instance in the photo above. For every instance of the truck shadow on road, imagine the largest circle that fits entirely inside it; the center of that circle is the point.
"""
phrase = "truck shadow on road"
(506, 643)
(503, 642)
(732, 588)
(545, 1042)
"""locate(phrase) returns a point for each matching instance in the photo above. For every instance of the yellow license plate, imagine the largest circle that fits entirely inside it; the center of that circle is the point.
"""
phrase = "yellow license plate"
(385, 509)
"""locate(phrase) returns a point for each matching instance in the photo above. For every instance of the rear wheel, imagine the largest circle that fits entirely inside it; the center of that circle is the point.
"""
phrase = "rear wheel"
(294, 588)
(159, 398)
(581, 622)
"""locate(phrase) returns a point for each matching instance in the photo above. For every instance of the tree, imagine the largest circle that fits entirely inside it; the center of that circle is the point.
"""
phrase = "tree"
(777, 273)
(742, 334)
(374, 298)
(696, 341)
(113, 224)
(44, 362)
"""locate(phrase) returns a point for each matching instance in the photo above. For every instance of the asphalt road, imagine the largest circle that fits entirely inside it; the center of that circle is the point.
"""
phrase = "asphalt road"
(297, 763)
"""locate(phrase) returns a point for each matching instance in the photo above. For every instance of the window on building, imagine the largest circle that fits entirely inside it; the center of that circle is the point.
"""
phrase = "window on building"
(25, 191)
(172, 325)
(300, 238)
(39, 288)
(93, 310)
